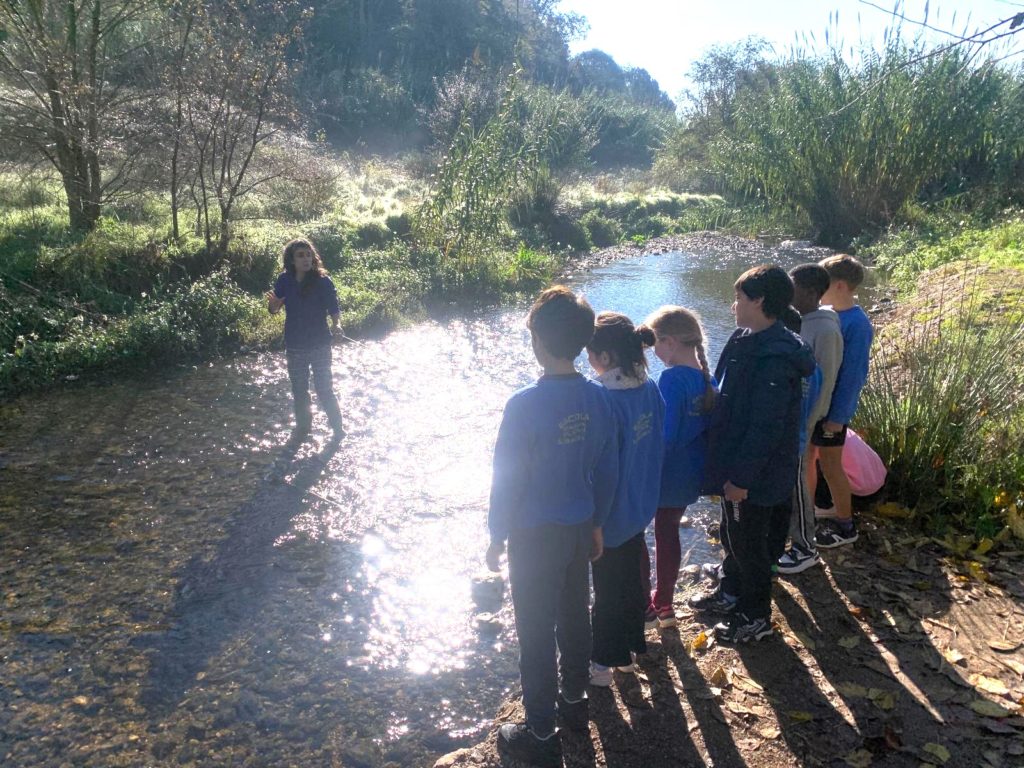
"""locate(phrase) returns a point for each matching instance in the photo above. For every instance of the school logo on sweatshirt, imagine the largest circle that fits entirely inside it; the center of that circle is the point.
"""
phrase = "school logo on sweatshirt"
(642, 426)
(572, 429)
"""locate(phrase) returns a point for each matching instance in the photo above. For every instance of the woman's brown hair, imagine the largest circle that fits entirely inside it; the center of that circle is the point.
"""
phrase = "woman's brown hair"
(299, 244)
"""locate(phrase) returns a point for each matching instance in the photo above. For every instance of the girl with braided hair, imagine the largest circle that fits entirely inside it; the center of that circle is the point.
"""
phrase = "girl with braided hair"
(689, 391)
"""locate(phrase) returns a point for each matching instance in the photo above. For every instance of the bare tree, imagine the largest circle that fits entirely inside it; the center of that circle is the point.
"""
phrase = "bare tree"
(64, 91)
(232, 97)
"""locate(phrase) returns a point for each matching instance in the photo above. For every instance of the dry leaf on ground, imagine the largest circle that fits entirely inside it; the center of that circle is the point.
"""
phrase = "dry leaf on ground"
(938, 751)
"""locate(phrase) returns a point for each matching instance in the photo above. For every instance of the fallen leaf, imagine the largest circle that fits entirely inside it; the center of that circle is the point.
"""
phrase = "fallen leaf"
(893, 509)
(849, 642)
(748, 745)
(859, 758)
(938, 751)
(1016, 666)
(771, 732)
(852, 690)
(798, 716)
(953, 656)
(742, 681)
(983, 546)
(699, 642)
(805, 640)
(80, 700)
(738, 709)
(1004, 646)
(881, 698)
(989, 684)
(721, 677)
(977, 570)
(989, 708)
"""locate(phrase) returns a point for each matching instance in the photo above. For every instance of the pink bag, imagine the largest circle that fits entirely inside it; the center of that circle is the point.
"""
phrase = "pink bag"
(863, 466)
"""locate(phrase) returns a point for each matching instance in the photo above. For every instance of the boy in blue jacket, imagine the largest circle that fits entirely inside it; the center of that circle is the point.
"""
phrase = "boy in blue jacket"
(754, 448)
(555, 475)
(845, 276)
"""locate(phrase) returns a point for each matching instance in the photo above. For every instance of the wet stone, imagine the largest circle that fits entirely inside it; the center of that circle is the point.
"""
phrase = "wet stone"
(161, 750)
(487, 589)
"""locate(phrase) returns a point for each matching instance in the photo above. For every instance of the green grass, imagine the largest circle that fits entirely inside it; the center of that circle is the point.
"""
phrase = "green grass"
(931, 240)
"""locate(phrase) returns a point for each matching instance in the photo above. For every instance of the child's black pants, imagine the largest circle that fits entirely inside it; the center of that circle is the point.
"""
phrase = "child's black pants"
(751, 547)
(619, 603)
(548, 574)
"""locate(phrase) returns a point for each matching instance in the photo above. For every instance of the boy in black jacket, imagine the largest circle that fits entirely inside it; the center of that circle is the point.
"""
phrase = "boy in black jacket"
(753, 451)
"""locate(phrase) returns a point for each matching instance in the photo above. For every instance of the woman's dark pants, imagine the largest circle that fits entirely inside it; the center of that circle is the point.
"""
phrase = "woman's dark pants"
(300, 362)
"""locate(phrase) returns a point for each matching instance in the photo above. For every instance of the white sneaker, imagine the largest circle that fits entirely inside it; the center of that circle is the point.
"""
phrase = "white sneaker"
(600, 675)
(825, 513)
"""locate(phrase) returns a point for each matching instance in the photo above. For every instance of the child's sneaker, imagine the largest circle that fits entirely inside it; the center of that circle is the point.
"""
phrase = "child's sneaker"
(714, 602)
(650, 618)
(832, 533)
(519, 742)
(600, 675)
(574, 714)
(796, 560)
(740, 629)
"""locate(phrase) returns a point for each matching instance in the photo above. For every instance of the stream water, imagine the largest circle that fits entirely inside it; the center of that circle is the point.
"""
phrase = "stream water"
(172, 594)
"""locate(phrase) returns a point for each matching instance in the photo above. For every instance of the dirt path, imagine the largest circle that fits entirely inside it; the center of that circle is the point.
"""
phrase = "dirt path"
(892, 654)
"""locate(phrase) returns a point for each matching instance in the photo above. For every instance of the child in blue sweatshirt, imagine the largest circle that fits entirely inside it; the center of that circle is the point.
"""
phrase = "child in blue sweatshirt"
(616, 354)
(689, 391)
(845, 276)
(555, 475)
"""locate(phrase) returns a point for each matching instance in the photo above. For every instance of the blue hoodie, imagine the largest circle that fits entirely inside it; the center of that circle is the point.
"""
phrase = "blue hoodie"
(853, 371)
(639, 415)
(556, 459)
(686, 441)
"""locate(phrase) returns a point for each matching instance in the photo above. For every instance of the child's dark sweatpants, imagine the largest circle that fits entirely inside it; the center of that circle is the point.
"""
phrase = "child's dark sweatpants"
(548, 573)
(619, 604)
(750, 545)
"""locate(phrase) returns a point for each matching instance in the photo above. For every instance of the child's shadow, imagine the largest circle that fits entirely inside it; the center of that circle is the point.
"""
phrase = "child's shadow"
(649, 727)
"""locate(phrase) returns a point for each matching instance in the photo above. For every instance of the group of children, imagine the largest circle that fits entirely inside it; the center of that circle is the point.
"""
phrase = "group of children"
(581, 467)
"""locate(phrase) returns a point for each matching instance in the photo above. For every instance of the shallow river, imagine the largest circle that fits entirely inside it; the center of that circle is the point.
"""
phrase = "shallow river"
(171, 593)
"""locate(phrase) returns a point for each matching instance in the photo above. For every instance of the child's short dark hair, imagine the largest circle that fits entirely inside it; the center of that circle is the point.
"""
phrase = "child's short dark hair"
(845, 268)
(770, 283)
(812, 277)
(563, 321)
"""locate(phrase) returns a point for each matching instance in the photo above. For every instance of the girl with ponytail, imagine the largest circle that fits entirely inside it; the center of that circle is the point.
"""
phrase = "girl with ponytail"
(616, 353)
(689, 391)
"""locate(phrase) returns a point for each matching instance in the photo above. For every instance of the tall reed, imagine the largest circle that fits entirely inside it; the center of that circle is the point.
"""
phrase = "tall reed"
(943, 405)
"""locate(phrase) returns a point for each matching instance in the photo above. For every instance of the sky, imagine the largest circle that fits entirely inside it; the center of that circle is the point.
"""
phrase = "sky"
(666, 36)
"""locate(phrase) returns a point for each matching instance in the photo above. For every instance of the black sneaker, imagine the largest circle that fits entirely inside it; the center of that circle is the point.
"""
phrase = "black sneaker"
(517, 741)
(574, 714)
(714, 602)
(796, 560)
(740, 629)
(830, 534)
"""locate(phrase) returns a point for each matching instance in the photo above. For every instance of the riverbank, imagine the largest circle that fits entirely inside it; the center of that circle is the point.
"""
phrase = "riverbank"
(904, 649)
(889, 654)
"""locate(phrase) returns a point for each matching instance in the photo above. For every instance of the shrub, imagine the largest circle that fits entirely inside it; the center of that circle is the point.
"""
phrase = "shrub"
(603, 231)
(372, 234)
(400, 225)
(209, 317)
(942, 408)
